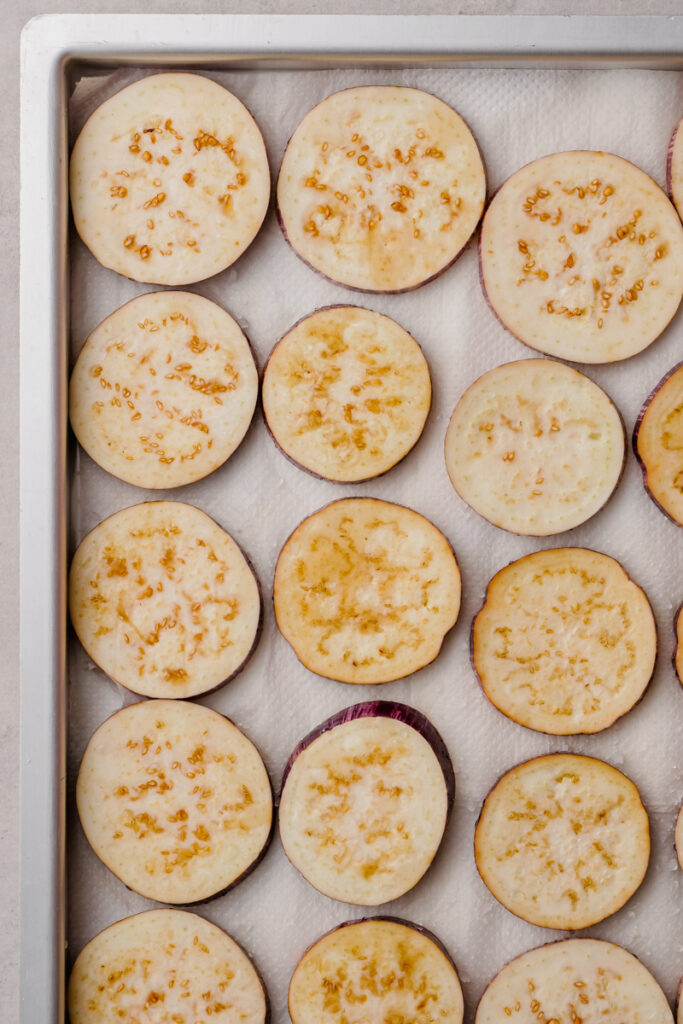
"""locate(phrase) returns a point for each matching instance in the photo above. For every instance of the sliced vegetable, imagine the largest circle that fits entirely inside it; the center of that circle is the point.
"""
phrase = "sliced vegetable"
(164, 601)
(582, 257)
(678, 653)
(674, 169)
(678, 837)
(175, 800)
(563, 841)
(366, 590)
(378, 969)
(381, 187)
(346, 393)
(535, 447)
(565, 642)
(165, 965)
(658, 444)
(365, 801)
(585, 980)
(163, 390)
(169, 180)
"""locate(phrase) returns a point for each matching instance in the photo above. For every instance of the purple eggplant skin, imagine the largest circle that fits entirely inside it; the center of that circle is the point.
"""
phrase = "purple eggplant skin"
(299, 465)
(247, 871)
(267, 1019)
(257, 633)
(355, 288)
(369, 497)
(554, 942)
(541, 731)
(634, 440)
(609, 496)
(543, 757)
(385, 709)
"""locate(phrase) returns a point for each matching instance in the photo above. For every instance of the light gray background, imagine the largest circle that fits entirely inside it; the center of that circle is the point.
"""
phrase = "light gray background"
(13, 16)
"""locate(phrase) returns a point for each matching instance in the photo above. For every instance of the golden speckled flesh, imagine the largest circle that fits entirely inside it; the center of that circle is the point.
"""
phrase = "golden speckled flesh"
(163, 600)
(163, 390)
(164, 967)
(563, 841)
(363, 810)
(659, 444)
(565, 642)
(535, 447)
(346, 393)
(375, 972)
(584, 980)
(381, 187)
(174, 799)
(366, 590)
(582, 257)
(169, 180)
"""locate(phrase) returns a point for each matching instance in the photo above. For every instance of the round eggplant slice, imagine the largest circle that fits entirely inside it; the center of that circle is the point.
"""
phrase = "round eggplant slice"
(678, 653)
(535, 447)
(165, 965)
(582, 257)
(346, 393)
(366, 590)
(175, 800)
(164, 601)
(365, 801)
(381, 187)
(565, 642)
(169, 180)
(585, 980)
(678, 837)
(378, 969)
(658, 444)
(563, 841)
(674, 169)
(163, 390)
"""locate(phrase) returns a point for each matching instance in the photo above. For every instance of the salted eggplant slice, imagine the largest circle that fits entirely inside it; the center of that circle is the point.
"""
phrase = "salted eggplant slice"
(586, 980)
(582, 257)
(535, 447)
(381, 187)
(346, 393)
(164, 600)
(366, 590)
(563, 841)
(163, 390)
(377, 969)
(169, 180)
(175, 800)
(658, 444)
(565, 642)
(674, 169)
(165, 965)
(365, 801)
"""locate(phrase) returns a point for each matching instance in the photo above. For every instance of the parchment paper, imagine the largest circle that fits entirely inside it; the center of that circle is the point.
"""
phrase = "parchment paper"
(259, 497)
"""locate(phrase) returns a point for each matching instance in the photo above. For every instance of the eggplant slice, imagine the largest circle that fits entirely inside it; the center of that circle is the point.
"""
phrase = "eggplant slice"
(582, 257)
(563, 841)
(585, 980)
(163, 966)
(535, 447)
(164, 601)
(376, 970)
(163, 390)
(169, 180)
(674, 169)
(366, 590)
(175, 800)
(658, 444)
(381, 187)
(346, 393)
(565, 642)
(678, 837)
(678, 652)
(365, 801)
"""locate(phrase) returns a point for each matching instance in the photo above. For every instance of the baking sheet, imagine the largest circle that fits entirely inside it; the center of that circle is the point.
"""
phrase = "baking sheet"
(259, 497)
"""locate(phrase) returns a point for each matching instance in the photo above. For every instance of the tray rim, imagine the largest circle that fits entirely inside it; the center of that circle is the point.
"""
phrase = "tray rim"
(53, 48)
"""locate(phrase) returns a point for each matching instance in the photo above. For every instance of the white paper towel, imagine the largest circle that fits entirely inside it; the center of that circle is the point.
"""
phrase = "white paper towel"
(259, 497)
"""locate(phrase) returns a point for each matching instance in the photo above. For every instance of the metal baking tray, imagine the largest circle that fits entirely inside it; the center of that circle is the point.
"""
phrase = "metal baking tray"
(55, 49)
